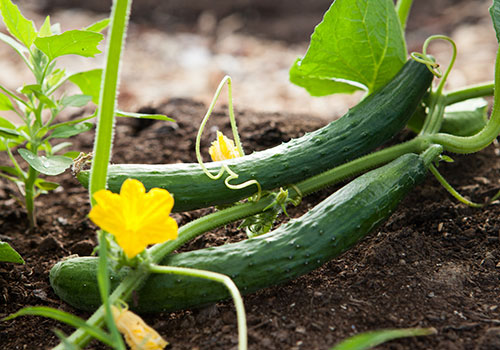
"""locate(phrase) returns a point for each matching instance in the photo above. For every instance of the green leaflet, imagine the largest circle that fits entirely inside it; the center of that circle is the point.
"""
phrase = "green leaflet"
(359, 45)
(53, 165)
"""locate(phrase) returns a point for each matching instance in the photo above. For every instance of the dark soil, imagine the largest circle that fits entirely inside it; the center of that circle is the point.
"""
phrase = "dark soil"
(434, 263)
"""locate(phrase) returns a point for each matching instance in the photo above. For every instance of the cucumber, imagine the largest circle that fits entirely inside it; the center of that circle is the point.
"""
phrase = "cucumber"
(293, 249)
(368, 125)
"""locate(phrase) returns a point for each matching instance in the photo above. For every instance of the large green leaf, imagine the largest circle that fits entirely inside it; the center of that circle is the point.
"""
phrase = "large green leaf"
(53, 165)
(8, 254)
(358, 45)
(495, 16)
(17, 25)
(73, 42)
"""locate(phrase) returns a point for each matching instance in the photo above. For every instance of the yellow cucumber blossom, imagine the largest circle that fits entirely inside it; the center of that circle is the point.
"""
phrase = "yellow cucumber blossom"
(135, 218)
(138, 335)
(223, 148)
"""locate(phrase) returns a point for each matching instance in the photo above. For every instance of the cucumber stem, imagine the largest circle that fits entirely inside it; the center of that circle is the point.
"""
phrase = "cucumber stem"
(468, 92)
(217, 277)
(471, 144)
(369, 161)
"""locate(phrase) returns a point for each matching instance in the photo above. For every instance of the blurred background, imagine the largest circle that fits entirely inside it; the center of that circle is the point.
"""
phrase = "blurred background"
(183, 48)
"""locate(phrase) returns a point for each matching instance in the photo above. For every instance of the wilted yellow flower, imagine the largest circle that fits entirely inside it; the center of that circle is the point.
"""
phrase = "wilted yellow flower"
(134, 217)
(138, 335)
(223, 148)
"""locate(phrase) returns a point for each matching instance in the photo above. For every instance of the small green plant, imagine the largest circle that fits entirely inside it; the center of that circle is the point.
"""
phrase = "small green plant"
(39, 138)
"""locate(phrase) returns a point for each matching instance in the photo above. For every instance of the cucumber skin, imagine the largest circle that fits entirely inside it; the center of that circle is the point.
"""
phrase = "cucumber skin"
(293, 249)
(366, 126)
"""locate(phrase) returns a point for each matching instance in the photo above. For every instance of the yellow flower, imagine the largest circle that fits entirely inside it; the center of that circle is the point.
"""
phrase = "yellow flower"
(223, 148)
(134, 217)
(138, 335)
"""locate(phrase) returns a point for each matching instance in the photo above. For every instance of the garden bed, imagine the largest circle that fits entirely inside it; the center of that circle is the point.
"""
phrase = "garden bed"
(435, 263)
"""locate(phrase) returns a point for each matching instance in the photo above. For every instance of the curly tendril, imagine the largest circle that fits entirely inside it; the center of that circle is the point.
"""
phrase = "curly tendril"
(224, 168)
(431, 63)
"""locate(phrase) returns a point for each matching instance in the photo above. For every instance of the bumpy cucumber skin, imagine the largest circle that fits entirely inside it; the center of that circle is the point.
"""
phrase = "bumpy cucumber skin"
(368, 125)
(293, 249)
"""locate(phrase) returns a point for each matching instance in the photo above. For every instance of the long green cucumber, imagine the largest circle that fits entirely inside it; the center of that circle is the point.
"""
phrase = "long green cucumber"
(366, 126)
(293, 249)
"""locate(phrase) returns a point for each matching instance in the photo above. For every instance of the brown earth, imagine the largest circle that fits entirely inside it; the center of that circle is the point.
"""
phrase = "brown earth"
(435, 263)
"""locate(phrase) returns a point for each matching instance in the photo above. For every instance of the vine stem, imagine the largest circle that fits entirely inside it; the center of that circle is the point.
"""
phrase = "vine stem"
(473, 91)
(217, 277)
(471, 144)
(433, 122)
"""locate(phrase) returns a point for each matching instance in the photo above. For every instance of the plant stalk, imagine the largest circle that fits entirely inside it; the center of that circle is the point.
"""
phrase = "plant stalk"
(471, 144)
(107, 98)
(473, 91)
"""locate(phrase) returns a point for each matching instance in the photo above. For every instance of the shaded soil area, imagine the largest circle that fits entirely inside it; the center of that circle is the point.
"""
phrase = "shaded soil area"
(434, 263)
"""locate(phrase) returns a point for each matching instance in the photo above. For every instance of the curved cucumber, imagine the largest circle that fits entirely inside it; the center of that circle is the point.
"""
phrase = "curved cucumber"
(293, 249)
(366, 126)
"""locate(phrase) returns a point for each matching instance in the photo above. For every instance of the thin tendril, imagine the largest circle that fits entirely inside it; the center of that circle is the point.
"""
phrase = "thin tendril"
(224, 168)
(429, 62)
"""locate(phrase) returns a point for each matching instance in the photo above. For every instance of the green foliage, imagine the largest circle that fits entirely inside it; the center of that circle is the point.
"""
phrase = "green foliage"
(369, 340)
(357, 46)
(39, 50)
(8, 254)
